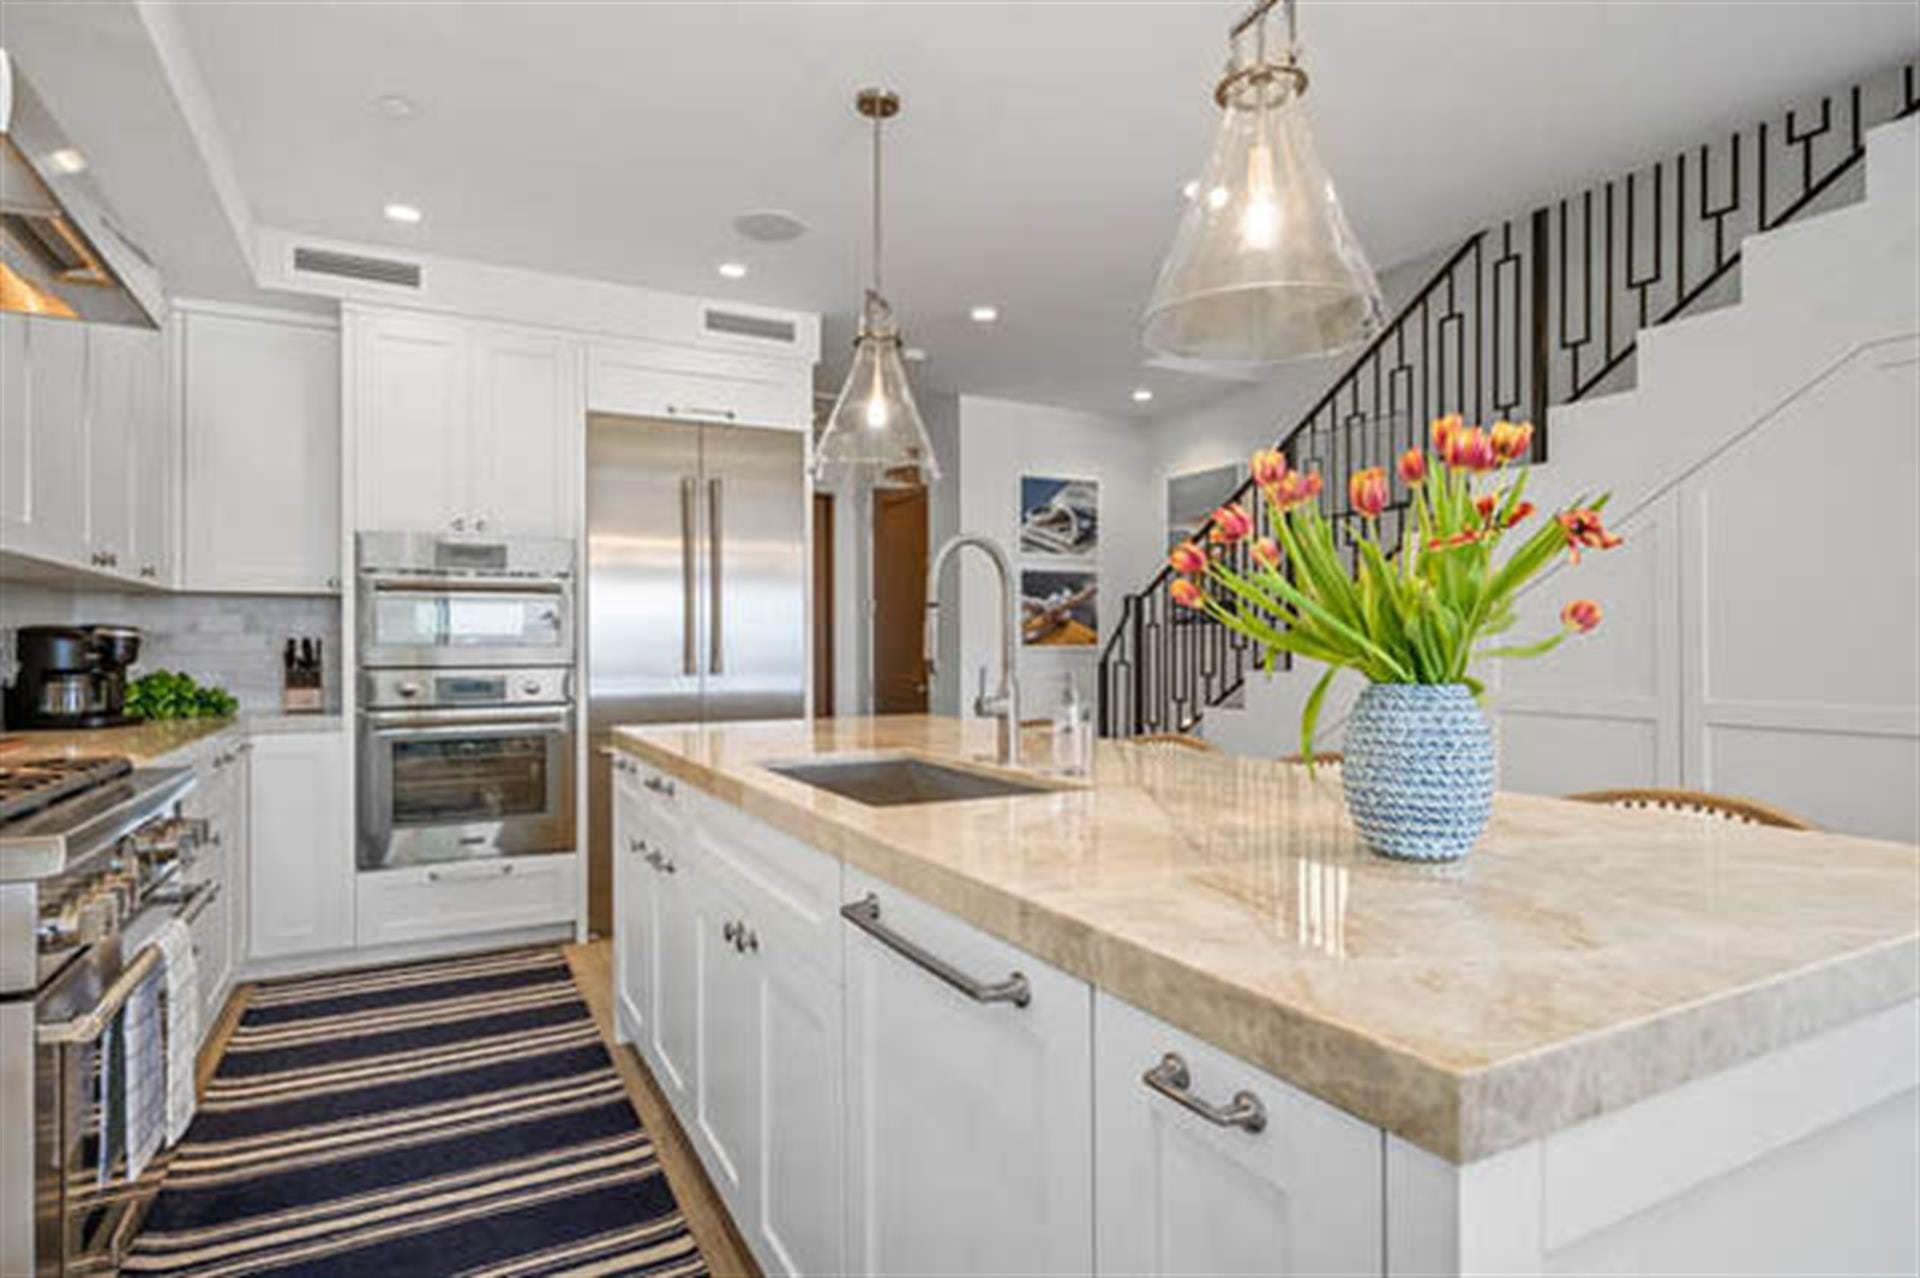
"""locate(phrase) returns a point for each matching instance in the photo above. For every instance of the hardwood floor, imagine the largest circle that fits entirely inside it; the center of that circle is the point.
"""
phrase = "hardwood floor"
(707, 1217)
(592, 964)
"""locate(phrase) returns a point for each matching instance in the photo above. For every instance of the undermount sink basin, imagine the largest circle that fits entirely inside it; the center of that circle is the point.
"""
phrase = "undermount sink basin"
(893, 782)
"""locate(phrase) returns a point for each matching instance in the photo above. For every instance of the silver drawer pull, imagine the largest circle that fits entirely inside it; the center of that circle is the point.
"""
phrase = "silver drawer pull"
(500, 870)
(865, 915)
(659, 785)
(1173, 1080)
(660, 863)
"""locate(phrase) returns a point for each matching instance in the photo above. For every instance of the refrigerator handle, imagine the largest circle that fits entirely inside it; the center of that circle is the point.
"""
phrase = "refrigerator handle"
(714, 560)
(689, 653)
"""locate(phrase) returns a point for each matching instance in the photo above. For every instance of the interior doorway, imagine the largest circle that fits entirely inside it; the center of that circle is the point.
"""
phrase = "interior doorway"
(823, 605)
(899, 600)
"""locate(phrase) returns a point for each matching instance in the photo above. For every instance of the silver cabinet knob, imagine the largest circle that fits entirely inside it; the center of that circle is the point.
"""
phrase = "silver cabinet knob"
(459, 523)
(480, 523)
(333, 583)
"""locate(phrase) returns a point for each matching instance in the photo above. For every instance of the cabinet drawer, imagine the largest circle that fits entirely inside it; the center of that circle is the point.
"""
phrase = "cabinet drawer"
(695, 386)
(1216, 1167)
(783, 884)
(420, 903)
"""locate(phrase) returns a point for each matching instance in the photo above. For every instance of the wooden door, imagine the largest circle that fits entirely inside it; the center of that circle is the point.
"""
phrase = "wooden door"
(969, 1124)
(899, 601)
(823, 605)
(1297, 1192)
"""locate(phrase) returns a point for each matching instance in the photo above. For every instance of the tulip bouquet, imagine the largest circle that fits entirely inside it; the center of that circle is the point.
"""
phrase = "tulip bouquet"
(1416, 612)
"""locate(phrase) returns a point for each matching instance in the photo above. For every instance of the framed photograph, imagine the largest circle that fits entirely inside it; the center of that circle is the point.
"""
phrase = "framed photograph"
(1059, 518)
(1194, 496)
(1059, 609)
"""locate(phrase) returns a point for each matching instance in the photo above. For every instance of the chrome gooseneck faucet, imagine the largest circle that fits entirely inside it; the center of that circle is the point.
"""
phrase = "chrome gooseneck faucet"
(1004, 704)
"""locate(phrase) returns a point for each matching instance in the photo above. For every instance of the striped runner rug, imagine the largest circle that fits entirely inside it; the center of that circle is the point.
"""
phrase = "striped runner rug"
(459, 1117)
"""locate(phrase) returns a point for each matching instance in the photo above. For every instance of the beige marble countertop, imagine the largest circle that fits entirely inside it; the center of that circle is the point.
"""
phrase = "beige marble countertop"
(1578, 960)
(146, 743)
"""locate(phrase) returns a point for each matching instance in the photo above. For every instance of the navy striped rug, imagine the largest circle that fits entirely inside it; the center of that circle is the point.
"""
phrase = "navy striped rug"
(457, 1117)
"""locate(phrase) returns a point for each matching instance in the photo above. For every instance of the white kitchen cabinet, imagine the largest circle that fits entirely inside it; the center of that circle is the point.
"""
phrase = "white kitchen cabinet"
(1222, 1169)
(261, 405)
(642, 379)
(220, 798)
(528, 441)
(464, 898)
(465, 428)
(300, 862)
(969, 1123)
(114, 414)
(154, 471)
(43, 438)
(634, 933)
(656, 933)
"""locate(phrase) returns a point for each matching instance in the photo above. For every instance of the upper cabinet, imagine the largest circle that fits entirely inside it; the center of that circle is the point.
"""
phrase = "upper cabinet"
(462, 427)
(86, 447)
(645, 379)
(262, 436)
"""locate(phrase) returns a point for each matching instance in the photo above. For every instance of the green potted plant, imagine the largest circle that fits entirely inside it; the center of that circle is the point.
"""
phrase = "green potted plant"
(1411, 617)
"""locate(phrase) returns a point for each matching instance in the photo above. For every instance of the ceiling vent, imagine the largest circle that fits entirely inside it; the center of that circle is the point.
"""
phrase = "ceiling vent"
(354, 266)
(761, 328)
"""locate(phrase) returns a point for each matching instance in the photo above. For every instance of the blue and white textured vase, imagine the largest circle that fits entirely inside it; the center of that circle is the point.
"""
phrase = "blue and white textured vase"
(1419, 770)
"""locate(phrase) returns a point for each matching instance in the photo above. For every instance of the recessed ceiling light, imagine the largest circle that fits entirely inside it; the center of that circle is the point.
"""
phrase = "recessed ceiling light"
(395, 106)
(914, 355)
(984, 314)
(769, 226)
(402, 213)
(1141, 395)
(66, 160)
(734, 270)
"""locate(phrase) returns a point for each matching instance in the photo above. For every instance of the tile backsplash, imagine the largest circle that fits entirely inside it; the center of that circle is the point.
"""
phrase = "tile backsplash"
(234, 641)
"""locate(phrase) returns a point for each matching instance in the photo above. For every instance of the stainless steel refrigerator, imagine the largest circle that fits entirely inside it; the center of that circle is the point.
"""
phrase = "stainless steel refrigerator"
(696, 600)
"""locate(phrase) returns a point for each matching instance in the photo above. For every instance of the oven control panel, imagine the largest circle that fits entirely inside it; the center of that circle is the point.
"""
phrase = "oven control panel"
(455, 688)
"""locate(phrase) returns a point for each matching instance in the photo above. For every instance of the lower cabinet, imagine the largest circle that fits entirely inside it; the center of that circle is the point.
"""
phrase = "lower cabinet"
(300, 858)
(219, 797)
(463, 898)
(969, 1122)
(1206, 1165)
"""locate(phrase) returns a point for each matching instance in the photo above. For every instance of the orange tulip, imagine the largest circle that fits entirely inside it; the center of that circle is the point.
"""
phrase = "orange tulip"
(1367, 491)
(1295, 488)
(1266, 552)
(1512, 440)
(1580, 616)
(1483, 506)
(1187, 558)
(1231, 523)
(1584, 529)
(1469, 448)
(1268, 467)
(1412, 467)
(1444, 429)
(1186, 593)
(1519, 513)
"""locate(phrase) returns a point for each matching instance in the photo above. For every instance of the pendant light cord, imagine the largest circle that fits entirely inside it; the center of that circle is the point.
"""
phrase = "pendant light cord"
(876, 204)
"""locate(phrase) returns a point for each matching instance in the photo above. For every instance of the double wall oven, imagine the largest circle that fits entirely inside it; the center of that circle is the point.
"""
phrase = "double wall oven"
(467, 719)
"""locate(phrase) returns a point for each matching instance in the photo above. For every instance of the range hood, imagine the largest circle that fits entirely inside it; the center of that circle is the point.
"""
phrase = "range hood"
(60, 254)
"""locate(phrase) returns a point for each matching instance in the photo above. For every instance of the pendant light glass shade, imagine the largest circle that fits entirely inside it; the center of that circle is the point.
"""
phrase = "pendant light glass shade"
(874, 435)
(875, 430)
(1264, 267)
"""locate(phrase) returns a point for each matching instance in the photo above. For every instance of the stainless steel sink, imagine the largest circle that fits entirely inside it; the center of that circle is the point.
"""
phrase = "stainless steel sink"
(896, 781)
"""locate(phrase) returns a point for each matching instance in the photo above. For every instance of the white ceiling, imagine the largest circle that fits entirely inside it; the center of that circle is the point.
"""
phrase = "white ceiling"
(1036, 166)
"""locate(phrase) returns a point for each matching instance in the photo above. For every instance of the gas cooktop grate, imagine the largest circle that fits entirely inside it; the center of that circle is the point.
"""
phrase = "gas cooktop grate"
(28, 787)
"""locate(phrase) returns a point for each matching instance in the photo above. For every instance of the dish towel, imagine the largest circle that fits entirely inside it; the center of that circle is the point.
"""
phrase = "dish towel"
(144, 1091)
(180, 976)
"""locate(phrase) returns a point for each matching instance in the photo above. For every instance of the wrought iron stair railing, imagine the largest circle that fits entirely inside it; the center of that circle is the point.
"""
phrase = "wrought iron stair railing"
(1537, 311)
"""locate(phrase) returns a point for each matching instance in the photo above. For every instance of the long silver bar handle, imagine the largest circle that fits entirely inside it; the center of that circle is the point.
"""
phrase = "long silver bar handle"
(689, 580)
(715, 541)
(1173, 1080)
(197, 904)
(92, 1023)
(865, 915)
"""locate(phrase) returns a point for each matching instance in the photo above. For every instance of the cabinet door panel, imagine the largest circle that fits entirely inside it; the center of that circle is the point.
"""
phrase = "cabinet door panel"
(633, 892)
(952, 1102)
(672, 1041)
(799, 1221)
(1179, 1194)
(301, 864)
(113, 356)
(45, 498)
(727, 1096)
(16, 451)
(412, 459)
(262, 408)
(154, 480)
(527, 434)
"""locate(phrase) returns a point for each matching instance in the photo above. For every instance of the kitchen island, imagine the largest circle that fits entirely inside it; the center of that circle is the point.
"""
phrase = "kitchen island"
(1581, 1048)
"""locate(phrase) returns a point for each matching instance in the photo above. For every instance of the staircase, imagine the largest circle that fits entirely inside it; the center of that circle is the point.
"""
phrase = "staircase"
(1523, 320)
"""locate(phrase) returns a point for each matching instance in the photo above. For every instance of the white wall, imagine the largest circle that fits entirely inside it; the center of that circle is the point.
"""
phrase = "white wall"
(1001, 441)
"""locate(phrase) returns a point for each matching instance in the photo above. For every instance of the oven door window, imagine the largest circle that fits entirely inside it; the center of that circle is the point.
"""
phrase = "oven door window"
(470, 780)
(466, 622)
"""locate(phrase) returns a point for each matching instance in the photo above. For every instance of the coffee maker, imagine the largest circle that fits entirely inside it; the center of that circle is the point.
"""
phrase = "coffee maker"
(71, 676)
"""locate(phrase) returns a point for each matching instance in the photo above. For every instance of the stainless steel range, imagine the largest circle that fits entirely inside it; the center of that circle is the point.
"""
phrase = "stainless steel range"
(91, 858)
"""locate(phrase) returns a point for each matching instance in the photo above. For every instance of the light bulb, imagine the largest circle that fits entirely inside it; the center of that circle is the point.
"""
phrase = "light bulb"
(1260, 220)
(878, 412)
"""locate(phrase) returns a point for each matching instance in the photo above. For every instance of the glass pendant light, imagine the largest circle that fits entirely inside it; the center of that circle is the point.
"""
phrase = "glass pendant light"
(874, 433)
(1264, 266)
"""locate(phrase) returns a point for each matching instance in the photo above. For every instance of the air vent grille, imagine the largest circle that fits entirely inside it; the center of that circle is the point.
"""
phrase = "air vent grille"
(353, 266)
(734, 324)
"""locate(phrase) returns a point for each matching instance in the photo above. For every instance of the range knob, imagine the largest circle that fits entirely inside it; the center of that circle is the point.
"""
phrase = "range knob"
(409, 689)
(531, 687)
